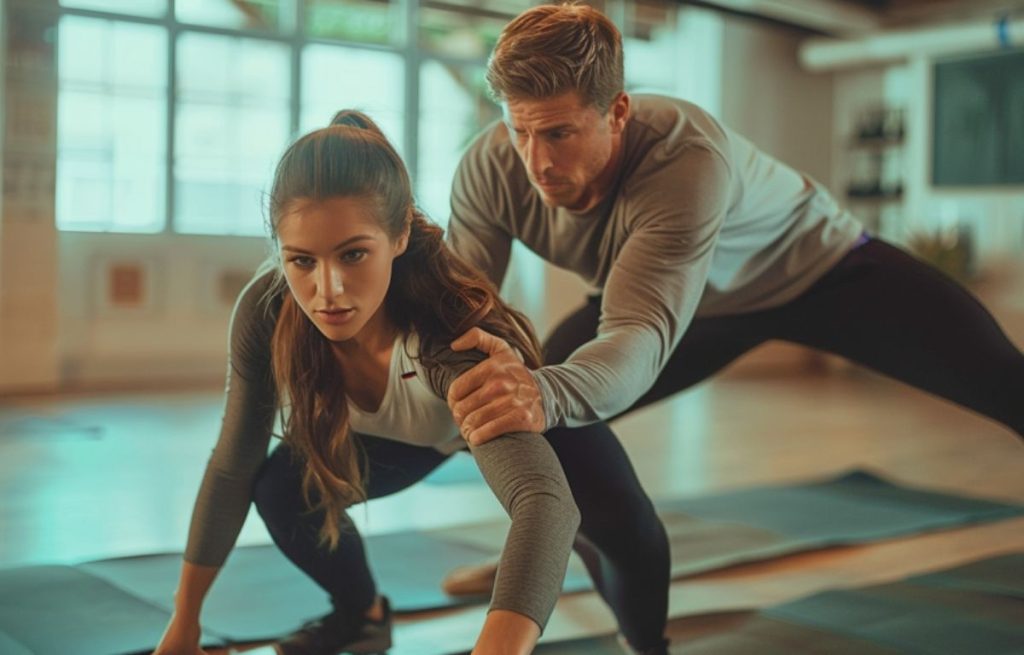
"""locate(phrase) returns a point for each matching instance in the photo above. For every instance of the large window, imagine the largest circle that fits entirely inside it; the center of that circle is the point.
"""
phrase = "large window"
(171, 116)
(339, 77)
(232, 123)
(111, 122)
(453, 106)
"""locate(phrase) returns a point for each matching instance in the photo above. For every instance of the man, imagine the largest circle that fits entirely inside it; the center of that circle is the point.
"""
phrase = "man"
(702, 247)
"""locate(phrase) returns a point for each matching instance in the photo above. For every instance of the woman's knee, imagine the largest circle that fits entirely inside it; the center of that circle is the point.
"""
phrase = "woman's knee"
(277, 492)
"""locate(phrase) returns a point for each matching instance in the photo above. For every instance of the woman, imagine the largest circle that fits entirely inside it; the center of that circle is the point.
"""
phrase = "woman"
(345, 333)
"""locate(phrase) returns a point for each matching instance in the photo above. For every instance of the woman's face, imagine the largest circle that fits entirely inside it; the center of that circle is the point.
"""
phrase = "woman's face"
(337, 261)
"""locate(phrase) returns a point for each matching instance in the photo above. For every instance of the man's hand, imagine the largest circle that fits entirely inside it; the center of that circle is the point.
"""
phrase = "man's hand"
(498, 395)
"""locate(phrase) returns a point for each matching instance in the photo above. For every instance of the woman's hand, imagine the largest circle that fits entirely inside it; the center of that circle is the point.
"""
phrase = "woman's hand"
(181, 638)
(498, 395)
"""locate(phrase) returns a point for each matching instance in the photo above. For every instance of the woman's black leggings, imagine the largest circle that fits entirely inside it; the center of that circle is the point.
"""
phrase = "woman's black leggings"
(878, 307)
(621, 540)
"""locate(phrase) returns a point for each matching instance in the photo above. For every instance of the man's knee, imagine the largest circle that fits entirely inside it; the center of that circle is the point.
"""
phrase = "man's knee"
(574, 331)
(629, 525)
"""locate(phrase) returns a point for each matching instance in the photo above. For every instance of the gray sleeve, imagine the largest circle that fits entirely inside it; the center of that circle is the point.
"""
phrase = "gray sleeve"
(226, 490)
(475, 231)
(525, 475)
(676, 209)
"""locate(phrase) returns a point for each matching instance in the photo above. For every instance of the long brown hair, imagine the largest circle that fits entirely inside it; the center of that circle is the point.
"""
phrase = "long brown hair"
(433, 292)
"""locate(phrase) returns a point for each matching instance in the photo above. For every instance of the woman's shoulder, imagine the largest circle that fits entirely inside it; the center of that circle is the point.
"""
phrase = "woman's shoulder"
(439, 363)
(255, 312)
(262, 294)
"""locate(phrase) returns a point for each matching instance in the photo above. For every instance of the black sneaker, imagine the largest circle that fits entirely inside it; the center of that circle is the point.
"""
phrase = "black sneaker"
(336, 633)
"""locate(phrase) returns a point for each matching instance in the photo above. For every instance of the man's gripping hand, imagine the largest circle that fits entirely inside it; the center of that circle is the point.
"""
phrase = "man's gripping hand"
(498, 395)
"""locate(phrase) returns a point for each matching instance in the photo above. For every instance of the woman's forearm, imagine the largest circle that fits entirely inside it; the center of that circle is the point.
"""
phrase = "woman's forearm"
(193, 586)
(184, 632)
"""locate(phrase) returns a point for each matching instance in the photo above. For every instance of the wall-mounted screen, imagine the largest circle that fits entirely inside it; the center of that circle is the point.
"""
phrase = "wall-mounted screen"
(978, 121)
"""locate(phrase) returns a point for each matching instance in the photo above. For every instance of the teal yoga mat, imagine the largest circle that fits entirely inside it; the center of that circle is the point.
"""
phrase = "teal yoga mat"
(260, 594)
(716, 531)
(61, 610)
(975, 609)
(957, 612)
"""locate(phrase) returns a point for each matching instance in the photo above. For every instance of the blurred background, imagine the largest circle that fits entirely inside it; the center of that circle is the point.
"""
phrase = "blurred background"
(140, 135)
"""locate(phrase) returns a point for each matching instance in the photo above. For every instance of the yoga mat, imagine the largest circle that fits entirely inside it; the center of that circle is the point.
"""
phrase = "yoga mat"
(259, 594)
(712, 532)
(60, 610)
(757, 636)
(950, 613)
(973, 609)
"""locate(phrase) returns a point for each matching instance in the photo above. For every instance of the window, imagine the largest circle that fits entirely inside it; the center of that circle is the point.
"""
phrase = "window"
(453, 108)
(339, 77)
(153, 8)
(111, 126)
(233, 122)
(361, 21)
(256, 15)
(247, 79)
(173, 121)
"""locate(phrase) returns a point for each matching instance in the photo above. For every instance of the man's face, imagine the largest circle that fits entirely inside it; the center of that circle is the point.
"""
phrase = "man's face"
(568, 147)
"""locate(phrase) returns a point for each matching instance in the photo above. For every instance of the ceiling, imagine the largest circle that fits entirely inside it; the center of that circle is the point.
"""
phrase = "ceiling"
(902, 11)
(849, 18)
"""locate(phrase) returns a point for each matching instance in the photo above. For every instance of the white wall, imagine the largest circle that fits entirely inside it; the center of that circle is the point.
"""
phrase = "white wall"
(178, 334)
(771, 100)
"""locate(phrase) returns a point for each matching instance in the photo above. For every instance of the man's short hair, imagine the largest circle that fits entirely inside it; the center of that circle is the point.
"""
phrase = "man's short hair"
(553, 49)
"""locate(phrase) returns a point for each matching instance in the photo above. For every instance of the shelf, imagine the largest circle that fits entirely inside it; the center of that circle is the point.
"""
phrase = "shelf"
(874, 197)
(874, 143)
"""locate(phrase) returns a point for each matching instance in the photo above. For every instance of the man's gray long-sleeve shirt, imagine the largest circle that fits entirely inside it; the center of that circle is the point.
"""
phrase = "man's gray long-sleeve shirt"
(700, 223)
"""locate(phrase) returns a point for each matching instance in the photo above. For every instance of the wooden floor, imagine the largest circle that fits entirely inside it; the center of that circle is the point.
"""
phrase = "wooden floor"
(86, 477)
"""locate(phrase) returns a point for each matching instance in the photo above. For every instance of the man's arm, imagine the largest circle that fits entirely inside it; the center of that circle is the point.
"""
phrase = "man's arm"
(649, 299)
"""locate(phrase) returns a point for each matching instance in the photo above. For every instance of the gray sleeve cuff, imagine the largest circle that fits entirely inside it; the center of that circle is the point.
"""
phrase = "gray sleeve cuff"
(553, 416)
